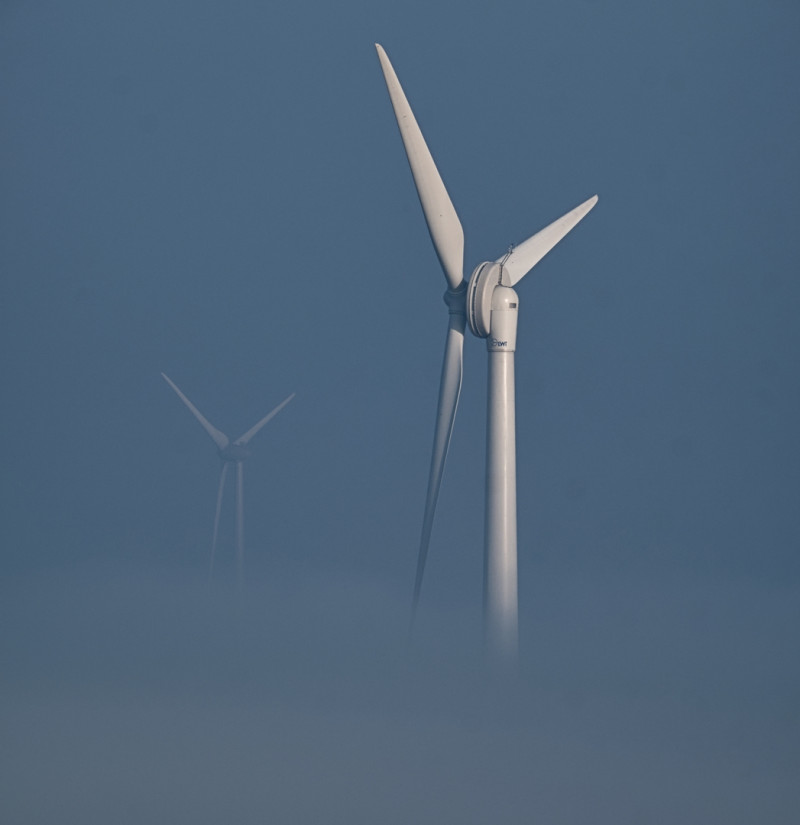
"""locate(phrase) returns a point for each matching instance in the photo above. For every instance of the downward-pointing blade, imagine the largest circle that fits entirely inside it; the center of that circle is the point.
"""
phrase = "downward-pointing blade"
(220, 439)
(243, 439)
(449, 391)
(525, 256)
(440, 214)
(239, 492)
(217, 512)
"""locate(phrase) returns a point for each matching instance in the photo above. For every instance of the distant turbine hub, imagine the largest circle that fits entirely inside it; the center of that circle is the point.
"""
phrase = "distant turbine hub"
(234, 452)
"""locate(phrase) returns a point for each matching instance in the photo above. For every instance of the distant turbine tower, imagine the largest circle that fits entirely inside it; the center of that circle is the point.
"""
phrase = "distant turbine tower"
(489, 303)
(231, 452)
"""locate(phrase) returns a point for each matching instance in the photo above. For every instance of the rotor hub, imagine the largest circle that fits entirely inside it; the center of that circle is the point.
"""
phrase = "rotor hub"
(479, 298)
(234, 452)
(480, 291)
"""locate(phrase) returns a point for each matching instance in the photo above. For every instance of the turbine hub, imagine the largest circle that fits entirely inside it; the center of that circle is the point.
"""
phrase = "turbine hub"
(480, 289)
(234, 452)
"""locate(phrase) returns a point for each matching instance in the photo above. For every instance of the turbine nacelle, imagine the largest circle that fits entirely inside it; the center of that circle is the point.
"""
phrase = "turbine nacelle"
(503, 334)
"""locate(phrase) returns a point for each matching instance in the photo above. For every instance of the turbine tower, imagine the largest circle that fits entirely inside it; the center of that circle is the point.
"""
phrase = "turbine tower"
(231, 452)
(489, 304)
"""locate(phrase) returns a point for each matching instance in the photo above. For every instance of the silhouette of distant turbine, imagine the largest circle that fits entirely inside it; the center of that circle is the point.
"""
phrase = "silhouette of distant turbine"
(231, 452)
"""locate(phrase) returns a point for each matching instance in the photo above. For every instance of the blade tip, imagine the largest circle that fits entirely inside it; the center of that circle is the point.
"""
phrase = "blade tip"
(590, 204)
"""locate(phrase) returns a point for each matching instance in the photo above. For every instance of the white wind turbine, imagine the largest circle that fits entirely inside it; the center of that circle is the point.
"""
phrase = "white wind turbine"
(489, 303)
(231, 452)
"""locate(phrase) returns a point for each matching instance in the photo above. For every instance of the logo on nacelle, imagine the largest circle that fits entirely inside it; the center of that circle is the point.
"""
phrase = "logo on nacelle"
(496, 343)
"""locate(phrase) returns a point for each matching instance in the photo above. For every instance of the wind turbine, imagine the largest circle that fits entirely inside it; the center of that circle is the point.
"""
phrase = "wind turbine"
(488, 302)
(231, 452)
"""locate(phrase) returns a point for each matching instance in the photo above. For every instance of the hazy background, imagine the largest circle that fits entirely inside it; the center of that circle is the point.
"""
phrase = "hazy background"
(218, 190)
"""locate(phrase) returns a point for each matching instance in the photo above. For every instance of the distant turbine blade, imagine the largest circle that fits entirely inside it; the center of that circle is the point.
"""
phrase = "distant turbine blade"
(240, 522)
(243, 439)
(216, 517)
(449, 391)
(440, 214)
(525, 256)
(220, 439)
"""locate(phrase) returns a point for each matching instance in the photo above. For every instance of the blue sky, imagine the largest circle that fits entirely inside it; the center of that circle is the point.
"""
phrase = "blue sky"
(219, 191)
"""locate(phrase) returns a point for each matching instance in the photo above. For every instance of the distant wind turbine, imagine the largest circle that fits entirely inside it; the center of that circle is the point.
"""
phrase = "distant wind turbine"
(488, 302)
(231, 452)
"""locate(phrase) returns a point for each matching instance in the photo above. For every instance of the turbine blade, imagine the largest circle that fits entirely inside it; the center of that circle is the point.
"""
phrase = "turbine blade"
(440, 214)
(525, 256)
(216, 516)
(240, 522)
(220, 439)
(449, 391)
(243, 439)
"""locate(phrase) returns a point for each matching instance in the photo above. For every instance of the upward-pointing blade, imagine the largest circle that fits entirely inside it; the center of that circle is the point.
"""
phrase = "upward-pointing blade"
(220, 439)
(449, 391)
(525, 256)
(243, 439)
(440, 214)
